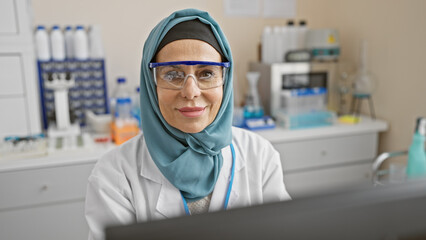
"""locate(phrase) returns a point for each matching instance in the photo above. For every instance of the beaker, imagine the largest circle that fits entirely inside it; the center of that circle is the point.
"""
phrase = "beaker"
(253, 108)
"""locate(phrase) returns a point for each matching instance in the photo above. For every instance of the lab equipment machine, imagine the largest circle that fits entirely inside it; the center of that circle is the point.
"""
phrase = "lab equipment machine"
(298, 94)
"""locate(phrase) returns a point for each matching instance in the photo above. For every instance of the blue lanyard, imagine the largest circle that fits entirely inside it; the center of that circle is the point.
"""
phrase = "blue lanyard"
(228, 193)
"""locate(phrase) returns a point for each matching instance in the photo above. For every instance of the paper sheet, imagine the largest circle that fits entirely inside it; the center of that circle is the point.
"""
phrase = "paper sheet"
(279, 8)
(242, 8)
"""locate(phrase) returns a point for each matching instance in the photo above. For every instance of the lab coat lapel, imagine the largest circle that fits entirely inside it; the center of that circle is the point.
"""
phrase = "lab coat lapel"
(169, 202)
(219, 194)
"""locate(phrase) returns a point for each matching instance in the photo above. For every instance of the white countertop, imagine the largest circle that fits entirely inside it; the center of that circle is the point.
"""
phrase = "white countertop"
(366, 125)
(277, 135)
(57, 158)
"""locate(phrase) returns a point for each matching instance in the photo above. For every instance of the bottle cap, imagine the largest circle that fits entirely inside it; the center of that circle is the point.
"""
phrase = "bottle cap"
(55, 27)
(79, 27)
(421, 126)
(290, 23)
(40, 27)
(302, 23)
(68, 28)
(121, 80)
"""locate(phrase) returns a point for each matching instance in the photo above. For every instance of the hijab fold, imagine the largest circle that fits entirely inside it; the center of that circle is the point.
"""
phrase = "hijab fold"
(190, 161)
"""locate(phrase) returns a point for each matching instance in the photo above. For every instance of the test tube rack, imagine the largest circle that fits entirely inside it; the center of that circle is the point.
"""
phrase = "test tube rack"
(89, 92)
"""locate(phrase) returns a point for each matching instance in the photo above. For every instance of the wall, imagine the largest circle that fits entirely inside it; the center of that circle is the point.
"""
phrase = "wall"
(394, 30)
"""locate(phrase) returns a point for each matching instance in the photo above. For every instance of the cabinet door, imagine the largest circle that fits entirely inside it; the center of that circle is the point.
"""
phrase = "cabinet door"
(11, 75)
(13, 120)
(8, 18)
(300, 184)
(15, 22)
(63, 221)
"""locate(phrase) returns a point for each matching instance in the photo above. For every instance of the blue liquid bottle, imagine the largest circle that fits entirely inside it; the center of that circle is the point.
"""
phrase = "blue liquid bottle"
(416, 164)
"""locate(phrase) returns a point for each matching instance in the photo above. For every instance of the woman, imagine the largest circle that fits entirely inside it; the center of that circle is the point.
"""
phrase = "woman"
(189, 158)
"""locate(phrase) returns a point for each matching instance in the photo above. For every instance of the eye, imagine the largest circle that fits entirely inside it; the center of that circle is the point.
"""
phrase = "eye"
(173, 75)
(206, 74)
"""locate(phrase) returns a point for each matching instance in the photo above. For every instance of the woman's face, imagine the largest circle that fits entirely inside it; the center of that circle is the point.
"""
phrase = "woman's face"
(189, 109)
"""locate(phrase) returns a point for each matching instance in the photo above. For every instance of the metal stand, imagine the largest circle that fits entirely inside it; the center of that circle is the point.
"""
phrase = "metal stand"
(356, 105)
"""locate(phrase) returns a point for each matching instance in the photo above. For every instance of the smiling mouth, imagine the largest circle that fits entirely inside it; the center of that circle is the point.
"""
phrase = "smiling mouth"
(192, 112)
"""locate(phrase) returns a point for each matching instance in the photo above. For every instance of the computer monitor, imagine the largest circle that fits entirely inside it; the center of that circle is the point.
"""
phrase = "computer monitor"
(396, 211)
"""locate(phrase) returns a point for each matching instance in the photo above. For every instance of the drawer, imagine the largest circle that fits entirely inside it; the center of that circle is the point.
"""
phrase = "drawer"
(11, 75)
(64, 221)
(327, 151)
(41, 186)
(300, 184)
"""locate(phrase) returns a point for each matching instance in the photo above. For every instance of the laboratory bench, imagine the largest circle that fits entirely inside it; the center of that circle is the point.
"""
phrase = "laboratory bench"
(43, 197)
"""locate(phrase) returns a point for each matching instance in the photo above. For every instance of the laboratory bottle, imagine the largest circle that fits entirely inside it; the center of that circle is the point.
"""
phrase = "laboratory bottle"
(277, 47)
(120, 84)
(57, 43)
(301, 35)
(124, 125)
(42, 43)
(136, 106)
(416, 164)
(69, 43)
(285, 41)
(81, 44)
(266, 44)
(96, 50)
(292, 36)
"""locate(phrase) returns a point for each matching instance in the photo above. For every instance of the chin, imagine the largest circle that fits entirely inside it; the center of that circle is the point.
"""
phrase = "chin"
(191, 127)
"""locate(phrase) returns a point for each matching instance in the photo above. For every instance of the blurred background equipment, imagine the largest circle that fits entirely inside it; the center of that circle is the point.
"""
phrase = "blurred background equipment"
(298, 95)
(365, 83)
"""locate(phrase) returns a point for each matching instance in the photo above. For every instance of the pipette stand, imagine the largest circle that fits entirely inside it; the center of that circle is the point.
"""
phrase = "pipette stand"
(356, 105)
(60, 83)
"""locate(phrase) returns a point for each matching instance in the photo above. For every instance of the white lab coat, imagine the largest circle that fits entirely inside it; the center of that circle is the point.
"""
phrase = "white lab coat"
(126, 186)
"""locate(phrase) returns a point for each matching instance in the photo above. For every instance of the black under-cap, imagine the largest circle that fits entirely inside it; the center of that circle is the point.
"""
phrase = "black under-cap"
(193, 29)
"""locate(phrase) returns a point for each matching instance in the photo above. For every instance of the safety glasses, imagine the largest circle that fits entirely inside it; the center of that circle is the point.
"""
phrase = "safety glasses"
(173, 75)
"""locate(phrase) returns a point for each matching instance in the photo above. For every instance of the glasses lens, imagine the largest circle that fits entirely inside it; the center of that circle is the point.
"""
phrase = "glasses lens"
(175, 76)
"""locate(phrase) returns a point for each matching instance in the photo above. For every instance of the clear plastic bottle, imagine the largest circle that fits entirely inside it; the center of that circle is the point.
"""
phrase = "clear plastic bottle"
(96, 49)
(292, 36)
(42, 43)
(267, 44)
(124, 124)
(301, 35)
(81, 44)
(57, 43)
(69, 42)
(416, 164)
(136, 106)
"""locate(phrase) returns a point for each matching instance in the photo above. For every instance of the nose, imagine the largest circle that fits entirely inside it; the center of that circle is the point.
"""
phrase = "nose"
(190, 90)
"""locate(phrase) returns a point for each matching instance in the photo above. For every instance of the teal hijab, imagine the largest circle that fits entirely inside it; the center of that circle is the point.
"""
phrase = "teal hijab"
(190, 161)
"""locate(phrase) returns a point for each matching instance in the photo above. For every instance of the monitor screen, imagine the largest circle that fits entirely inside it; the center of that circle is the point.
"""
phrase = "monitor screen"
(395, 211)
